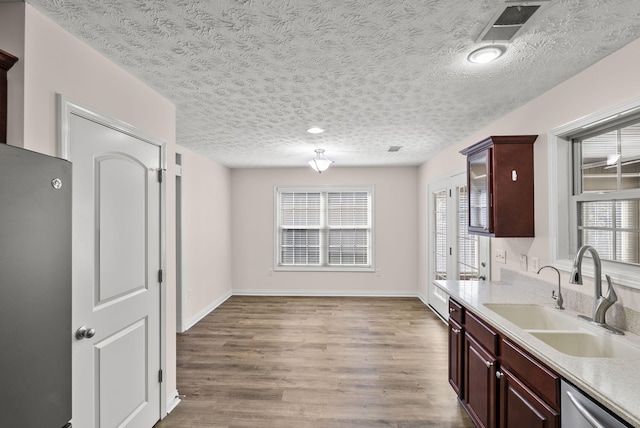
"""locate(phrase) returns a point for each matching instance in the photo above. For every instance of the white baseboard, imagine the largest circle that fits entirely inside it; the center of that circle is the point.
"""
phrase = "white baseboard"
(322, 293)
(206, 311)
(423, 298)
(173, 401)
(297, 293)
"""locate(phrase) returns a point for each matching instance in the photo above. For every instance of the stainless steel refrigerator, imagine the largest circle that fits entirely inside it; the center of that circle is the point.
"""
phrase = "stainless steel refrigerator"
(35, 290)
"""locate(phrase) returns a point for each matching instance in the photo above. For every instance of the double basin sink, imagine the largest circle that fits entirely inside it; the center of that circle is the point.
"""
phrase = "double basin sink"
(565, 333)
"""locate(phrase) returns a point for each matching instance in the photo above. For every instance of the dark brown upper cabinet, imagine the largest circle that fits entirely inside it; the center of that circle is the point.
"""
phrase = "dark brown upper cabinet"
(500, 186)
(6, 62)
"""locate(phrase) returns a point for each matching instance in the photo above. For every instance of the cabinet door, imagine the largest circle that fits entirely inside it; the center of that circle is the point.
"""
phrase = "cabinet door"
(479, 383)
(520, 407)
(455, 357)
(479, 176)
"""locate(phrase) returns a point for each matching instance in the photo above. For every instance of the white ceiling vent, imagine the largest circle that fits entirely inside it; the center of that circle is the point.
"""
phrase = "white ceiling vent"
(511, 18)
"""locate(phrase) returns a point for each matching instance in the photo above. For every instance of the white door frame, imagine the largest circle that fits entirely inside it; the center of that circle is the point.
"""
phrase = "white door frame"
(65, 108)
(447, 182)
(181, 298)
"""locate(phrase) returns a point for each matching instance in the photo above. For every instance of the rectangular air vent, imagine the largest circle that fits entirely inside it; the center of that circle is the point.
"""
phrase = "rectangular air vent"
(509, 21)
(394, 148)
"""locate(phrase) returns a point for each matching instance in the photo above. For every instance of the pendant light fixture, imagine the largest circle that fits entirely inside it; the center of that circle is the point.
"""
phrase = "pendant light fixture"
(320, 163)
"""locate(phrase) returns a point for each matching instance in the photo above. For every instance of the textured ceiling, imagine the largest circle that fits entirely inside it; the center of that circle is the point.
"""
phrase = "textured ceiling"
(249, 77)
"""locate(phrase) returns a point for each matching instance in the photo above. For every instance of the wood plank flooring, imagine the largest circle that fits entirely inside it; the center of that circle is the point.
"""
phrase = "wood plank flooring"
(315, 362)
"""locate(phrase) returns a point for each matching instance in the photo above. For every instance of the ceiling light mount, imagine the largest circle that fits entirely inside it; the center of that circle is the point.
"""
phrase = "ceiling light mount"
(315, 130)
(320, 163)
(486, 54)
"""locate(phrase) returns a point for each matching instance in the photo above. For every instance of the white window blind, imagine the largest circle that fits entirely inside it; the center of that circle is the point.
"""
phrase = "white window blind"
(324, 228)
(440, 234)
(607, 180)
(300, 228)
(468, 263)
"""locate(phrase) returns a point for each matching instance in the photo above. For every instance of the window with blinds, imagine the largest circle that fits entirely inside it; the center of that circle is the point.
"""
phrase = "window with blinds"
(468, 263)
(440, 235)
(324, 228)
(607, 190)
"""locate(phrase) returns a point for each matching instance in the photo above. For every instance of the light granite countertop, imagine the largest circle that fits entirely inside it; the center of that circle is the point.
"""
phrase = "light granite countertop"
(614, 382)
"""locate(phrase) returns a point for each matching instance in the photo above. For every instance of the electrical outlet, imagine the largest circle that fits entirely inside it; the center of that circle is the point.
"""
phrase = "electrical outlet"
(535, 264)
(378, 272)
(501, 256)
(189, 293)
(269, 272)
(523, 262)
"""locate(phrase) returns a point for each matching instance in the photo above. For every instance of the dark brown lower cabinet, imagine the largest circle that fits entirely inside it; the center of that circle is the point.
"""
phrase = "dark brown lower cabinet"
(480, 383)
(455, 356)
(499, 383)
(521, 407)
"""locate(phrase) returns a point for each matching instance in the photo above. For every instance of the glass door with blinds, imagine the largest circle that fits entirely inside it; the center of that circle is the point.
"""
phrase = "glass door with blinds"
(454, 254)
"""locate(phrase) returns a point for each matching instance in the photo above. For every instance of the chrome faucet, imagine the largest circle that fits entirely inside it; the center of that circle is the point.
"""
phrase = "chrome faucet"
(559, 300)
(600, 303)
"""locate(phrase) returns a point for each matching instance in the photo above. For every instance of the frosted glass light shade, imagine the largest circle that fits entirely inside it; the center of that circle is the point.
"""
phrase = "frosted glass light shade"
(320, 163)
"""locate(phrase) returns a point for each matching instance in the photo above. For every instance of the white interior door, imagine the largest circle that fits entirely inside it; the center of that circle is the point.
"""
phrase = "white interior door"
(453, 253)
(116, 273)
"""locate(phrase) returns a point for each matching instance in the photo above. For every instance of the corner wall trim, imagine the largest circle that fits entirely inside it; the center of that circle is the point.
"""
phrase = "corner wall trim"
(423, 298)
(173, 401)
(206, 311)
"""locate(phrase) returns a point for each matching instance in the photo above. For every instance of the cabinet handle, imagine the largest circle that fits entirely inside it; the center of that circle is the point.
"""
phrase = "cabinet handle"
(489, 364)
(455, 330)
(499, 374)
(451, 310)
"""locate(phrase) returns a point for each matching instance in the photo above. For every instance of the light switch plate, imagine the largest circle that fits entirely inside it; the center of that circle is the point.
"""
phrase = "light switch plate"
(535, 264)
(523, 262)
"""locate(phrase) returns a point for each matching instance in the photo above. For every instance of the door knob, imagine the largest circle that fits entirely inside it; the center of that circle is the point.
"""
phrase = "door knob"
(85, 333)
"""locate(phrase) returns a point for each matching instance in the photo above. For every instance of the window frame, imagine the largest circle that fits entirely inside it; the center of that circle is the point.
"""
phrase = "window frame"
(563, 220)
(323, 189)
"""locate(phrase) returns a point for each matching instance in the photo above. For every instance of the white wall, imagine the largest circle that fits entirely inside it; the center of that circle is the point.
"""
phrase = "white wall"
(53, 61)
(608, 83)
(12, 32)
(206, 235)
(395, 232)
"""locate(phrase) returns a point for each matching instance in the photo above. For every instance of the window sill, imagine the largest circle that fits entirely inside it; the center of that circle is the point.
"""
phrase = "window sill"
(324, 269)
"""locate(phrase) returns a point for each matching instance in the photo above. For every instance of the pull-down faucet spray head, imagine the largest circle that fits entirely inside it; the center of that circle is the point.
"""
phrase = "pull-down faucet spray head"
(576, 271)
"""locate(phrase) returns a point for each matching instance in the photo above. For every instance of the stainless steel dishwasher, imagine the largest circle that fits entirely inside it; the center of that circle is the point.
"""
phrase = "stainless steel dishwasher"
(578, 410)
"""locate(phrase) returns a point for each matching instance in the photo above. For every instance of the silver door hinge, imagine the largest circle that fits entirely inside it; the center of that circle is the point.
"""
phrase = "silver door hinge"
(160, 175)
(160, 376)
(160, 276)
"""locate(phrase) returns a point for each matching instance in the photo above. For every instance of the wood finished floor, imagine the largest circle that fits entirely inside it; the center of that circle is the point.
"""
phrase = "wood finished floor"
(315, 362)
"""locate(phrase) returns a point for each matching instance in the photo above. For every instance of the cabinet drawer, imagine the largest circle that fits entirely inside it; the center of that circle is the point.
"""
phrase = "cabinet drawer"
(537, 376)
(456, 311)
(483, 334)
